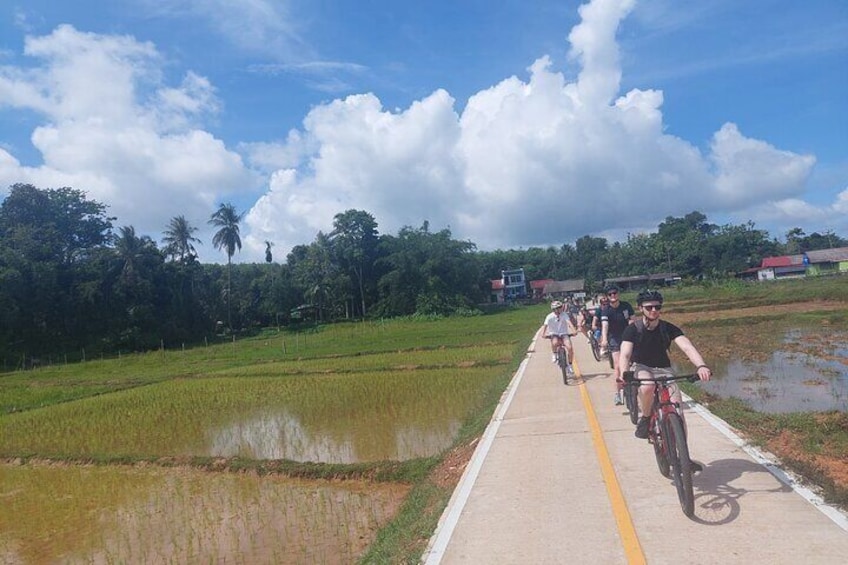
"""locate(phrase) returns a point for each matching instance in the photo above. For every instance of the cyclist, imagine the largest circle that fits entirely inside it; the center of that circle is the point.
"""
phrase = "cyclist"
(646, 345)
(614, 318)
(601, 300)
(558, 328)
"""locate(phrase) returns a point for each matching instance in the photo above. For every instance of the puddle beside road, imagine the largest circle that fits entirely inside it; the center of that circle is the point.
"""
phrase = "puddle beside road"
(808, 373)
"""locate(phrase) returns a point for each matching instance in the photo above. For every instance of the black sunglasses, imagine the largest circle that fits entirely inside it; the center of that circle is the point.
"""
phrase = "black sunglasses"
(652, 307)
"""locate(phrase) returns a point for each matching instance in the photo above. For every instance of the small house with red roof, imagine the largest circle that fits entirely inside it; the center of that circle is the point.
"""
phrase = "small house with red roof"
(813, 263)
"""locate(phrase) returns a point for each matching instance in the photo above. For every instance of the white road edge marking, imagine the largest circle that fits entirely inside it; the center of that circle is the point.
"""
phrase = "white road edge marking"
(771, 463)
(447, 523)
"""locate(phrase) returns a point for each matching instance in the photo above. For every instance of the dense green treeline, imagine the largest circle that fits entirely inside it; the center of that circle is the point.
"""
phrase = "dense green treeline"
(73, 285)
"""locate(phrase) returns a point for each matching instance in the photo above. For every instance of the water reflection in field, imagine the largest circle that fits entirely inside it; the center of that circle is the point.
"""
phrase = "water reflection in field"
(329, 418)
(279, 434)
(809, 373)
(79, 514)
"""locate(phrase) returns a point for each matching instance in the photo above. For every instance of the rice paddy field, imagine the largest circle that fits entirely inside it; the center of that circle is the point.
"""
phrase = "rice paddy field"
(308, 447)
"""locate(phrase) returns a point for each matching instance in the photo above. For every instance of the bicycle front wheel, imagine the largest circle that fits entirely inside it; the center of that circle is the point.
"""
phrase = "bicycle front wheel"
(681, 464)
(596, 348)
(659, 439)
(631, 400)
(562, 361)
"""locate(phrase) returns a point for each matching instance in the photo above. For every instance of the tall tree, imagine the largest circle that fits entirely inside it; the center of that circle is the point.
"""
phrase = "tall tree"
(227, 219)
(137, 288)
(354, 239)
(46, 237)
(427, 273)
(179, 239)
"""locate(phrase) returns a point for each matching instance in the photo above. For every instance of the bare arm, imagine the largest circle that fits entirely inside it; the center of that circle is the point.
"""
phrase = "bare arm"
(625, 354)
(685, 345)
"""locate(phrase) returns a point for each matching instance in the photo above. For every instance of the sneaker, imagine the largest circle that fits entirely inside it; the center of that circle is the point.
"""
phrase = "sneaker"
(617, 399)
(642, 428)
(697, 467)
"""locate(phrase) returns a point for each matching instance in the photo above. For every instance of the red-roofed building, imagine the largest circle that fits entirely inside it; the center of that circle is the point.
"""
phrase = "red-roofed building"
(782, 261)
(537, 288)
(781, 267)
(818, 262)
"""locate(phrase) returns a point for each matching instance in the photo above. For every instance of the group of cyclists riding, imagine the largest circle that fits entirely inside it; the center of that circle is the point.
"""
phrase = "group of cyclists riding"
(637, 345)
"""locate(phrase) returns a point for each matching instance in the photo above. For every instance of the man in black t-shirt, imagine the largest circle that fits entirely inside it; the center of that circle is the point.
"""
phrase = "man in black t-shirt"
(615, 316)
(646, 345)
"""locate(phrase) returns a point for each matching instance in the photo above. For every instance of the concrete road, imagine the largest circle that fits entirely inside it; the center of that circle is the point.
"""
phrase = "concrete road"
(558, 477)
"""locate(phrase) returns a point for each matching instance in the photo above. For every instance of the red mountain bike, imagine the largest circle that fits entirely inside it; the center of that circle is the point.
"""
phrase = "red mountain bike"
(667, 433)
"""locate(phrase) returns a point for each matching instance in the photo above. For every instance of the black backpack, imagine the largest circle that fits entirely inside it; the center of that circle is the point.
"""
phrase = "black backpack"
(640, 329)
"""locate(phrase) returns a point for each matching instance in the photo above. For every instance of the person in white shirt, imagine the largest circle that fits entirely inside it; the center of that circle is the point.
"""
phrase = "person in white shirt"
(559, 329)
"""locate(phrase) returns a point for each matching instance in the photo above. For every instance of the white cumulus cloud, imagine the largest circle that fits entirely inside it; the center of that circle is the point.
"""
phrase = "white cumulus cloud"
(112, 129)
(527, 162)
(537, 159)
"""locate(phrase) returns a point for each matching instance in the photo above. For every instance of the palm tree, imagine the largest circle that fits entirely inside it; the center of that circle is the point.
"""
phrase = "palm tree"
(179, 239)
(268, 256)
(131, 250)
(227, 237)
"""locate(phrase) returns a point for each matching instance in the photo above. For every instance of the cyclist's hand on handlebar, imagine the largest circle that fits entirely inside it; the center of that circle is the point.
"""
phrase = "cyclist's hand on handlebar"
(704, 373)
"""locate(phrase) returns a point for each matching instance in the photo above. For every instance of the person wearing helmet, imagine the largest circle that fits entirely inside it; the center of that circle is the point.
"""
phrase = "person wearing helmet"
(645, 344)
(615, 316)
(558, 328)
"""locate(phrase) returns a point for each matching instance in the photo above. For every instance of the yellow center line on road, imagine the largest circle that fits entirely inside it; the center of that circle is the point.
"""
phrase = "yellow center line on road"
(629, 539)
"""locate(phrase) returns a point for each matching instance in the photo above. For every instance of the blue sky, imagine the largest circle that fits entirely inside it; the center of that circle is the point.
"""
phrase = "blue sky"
(513, 123)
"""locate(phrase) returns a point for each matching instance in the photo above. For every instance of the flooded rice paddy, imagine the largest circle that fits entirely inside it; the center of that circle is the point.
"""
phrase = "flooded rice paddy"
(86, 514)
(804, 370)
(327, 419)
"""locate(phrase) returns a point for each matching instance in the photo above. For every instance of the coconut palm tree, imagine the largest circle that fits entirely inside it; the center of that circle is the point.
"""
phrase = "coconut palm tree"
(179, 239)
(227, 238)
(131, 250)
(268, 256)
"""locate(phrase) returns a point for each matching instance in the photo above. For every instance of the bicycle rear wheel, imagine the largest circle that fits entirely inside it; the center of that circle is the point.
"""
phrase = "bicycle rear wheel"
(659, 439)
(681, 464)
(562, 361)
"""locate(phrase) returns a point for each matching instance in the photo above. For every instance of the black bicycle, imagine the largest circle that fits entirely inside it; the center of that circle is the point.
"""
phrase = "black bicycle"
(631, 401)
(667, 434)
(562, 360)
(594, 346)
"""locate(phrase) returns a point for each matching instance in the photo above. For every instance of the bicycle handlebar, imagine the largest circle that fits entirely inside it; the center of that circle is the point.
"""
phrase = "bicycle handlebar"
(629, 377)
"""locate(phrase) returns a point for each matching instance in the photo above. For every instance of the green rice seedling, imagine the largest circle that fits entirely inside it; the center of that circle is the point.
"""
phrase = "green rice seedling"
(58, 383)
(394, 415)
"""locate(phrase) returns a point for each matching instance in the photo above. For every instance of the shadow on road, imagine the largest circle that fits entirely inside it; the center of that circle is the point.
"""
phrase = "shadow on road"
(717, 498)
